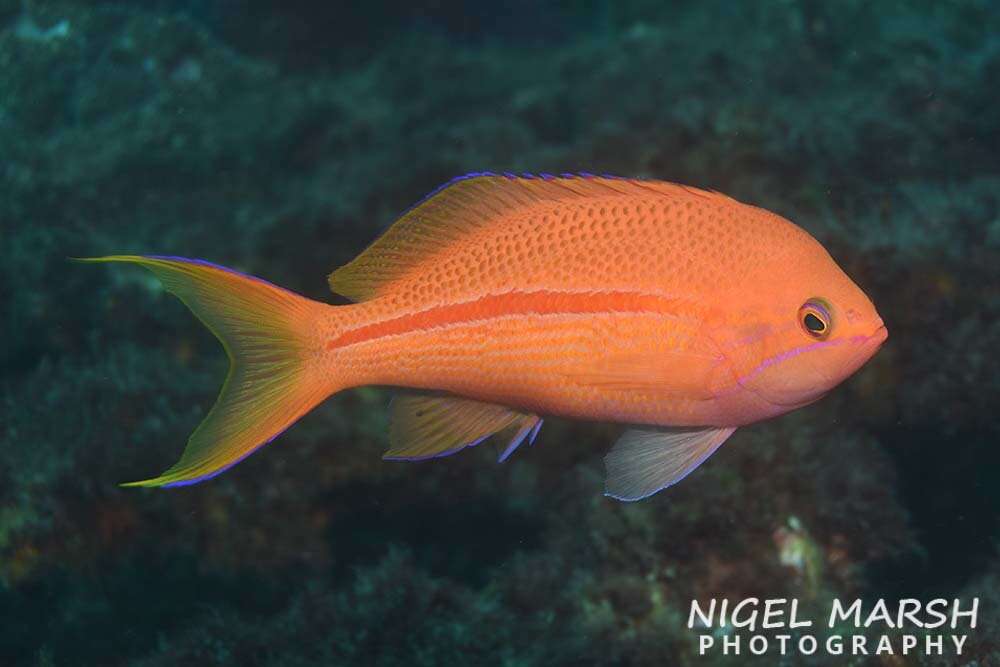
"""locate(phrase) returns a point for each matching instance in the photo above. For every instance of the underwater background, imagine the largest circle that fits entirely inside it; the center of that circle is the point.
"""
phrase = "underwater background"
(279, 138)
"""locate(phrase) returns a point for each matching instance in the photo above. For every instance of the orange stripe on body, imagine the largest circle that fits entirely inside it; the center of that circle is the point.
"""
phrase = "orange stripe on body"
(541, 302)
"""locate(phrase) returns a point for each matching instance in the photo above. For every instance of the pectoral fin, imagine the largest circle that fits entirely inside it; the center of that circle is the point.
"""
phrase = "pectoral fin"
(425, 426)
(648, 459)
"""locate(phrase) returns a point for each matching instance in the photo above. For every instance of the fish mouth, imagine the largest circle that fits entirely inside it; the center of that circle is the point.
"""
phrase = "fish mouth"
(879, 336)
(869, 346)
(866, 347)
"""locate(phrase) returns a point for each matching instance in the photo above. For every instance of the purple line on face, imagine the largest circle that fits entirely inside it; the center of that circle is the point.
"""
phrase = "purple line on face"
(796, 351)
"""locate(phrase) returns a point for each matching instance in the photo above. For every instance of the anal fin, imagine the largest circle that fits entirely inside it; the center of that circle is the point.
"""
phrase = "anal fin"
(648, 459)
(526, 428)
(424, 426)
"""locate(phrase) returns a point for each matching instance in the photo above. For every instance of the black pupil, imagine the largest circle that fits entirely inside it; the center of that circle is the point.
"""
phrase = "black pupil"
(814, 324)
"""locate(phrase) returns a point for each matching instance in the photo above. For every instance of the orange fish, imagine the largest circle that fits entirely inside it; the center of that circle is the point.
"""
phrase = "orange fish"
(498, 299)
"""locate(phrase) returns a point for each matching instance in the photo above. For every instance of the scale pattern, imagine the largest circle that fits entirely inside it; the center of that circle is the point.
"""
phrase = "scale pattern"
(588, 297)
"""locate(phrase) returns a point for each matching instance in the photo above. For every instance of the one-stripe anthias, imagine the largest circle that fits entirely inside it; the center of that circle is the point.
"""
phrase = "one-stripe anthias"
(500, 299)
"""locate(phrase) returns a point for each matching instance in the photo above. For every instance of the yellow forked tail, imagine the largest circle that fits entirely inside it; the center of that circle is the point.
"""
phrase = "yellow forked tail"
(272, 378)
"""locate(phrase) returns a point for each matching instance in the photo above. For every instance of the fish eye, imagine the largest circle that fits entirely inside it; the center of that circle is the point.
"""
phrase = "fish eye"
(814, 316)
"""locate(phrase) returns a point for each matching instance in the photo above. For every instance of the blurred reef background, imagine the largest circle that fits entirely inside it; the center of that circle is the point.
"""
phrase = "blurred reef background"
(280, 137)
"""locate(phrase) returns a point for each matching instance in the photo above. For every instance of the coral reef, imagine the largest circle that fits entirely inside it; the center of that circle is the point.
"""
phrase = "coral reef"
(280, 138)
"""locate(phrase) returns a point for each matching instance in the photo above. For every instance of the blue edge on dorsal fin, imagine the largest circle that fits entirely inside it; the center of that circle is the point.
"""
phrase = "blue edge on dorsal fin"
(511, 176)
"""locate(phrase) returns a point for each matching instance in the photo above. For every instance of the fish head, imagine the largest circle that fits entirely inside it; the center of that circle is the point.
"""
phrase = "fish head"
(806, 329)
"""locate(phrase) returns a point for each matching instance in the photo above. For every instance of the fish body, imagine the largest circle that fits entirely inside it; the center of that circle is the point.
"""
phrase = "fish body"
(680, 312)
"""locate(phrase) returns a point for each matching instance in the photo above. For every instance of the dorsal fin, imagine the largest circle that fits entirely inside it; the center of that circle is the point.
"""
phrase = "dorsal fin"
(465, 205)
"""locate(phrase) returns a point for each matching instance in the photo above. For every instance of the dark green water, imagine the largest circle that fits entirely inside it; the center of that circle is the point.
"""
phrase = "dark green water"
(280, 138)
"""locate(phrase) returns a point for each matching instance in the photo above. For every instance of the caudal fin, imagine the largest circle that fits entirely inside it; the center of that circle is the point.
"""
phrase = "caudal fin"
(272, 380)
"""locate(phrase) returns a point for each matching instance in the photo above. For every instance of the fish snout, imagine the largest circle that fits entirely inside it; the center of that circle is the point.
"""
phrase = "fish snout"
(868, 346)
(878, 336)
(881, 333)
